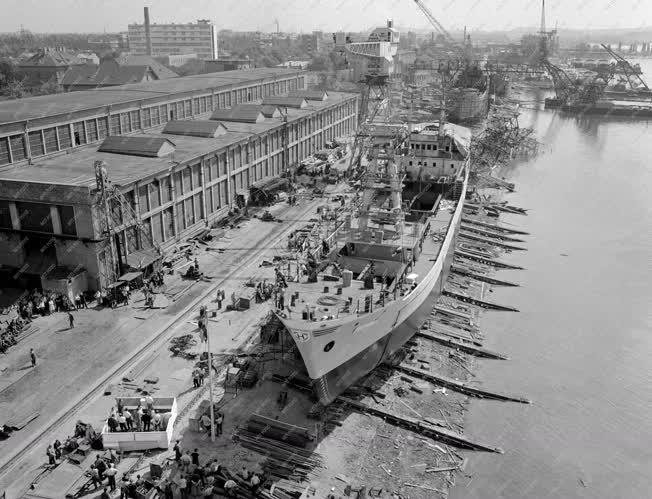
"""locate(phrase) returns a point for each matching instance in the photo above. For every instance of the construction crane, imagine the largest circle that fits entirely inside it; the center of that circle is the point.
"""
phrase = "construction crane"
(624, 65)
(118, 216)
(438, 26)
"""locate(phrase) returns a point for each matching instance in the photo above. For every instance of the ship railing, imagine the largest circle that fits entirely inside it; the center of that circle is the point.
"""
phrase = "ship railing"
(365, 304)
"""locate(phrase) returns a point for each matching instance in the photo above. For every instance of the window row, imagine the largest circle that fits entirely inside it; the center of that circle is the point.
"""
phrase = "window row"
(49, 140)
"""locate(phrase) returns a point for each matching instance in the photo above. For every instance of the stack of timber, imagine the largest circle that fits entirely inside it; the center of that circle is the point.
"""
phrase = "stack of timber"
(284, 446)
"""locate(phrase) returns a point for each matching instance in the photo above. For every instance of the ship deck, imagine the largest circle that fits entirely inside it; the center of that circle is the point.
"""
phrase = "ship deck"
(321, 297)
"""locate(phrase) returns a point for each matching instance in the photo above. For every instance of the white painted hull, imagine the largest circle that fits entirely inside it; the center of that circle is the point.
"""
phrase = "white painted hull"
(339, 352)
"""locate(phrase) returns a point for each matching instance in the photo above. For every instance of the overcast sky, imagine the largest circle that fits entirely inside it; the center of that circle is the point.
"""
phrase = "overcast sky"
(328, 15)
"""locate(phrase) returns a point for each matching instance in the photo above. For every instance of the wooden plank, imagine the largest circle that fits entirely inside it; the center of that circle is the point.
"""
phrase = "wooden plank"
(461, 345)
(421, 427)
(461, 386)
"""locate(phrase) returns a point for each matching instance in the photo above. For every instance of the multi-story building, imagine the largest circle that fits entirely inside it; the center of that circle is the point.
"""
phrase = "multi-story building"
(176, 160)
(166, 39)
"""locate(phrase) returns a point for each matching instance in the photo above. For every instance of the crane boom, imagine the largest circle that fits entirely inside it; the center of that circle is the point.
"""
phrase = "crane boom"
(436, 24)
(625, 65)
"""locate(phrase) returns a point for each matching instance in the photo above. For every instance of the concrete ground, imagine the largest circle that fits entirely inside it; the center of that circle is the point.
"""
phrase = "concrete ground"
(72, 362)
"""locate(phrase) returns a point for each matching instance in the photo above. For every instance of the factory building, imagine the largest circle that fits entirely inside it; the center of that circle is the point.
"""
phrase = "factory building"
(169, 39)
(166, 166)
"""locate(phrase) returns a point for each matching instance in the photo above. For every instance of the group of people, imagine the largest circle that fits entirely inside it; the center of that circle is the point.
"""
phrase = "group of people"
(210, 480)
(46, 303)
(104, 469)
(9, 335)
(53, 452)
(143, 418)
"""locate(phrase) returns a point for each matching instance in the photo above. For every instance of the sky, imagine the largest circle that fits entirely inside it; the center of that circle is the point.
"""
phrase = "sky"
(327, 15)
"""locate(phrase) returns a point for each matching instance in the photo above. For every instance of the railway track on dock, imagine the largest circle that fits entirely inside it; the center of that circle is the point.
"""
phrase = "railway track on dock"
(250, 256)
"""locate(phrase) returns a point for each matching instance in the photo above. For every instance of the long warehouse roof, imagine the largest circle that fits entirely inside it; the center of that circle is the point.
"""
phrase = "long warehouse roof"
(56, 104)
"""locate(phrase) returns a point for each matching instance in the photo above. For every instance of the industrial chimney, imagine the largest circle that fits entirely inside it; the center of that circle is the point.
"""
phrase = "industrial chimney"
(148, 37)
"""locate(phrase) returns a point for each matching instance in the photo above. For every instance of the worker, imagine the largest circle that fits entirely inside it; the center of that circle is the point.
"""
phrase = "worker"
(157, 422)
(206, 422)
(50, 453)
(229, 487)
(71, 320)
(255, 482)
(95, 477)
(105, 494)
(110, 474)
(218, 423)
(32, 357)
(177, 452)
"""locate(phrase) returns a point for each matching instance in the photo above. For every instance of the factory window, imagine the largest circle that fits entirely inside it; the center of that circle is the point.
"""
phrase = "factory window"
(5, 215)
(209, 200)
(213, 168)
(180, 114)
(187, 180)
(36, 144)
(187, 106)
(50, 140)
(166, 190)
(410, 163)
(216, 197)
(196, 180)
(448, 148)
(35, 216)
(178, 183)
(157, 228)
(114, 128)
(143, 199)
(434, 163)
(91, 130)
(222, 164)
(135, 119)
(168, 223)
(188, 212)
(223, 193)
(125, 123)
(419, 163)
(154, 195)
(131, 235)
(65, 141)
(147, 118)
(195, 105)
(163, 113)
(197, 198)
(452, 165)
(207, 172)
(155, 115)
(80, 134)
(101, 128)
(67, 218)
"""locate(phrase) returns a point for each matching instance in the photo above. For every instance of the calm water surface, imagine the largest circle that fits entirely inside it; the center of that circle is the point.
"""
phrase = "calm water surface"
(581, 346)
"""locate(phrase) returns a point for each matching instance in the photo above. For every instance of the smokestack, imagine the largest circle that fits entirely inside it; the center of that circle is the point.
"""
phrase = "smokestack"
(148, 37)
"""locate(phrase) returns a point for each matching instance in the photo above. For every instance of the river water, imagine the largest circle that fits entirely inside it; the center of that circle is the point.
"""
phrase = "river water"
(581, 347)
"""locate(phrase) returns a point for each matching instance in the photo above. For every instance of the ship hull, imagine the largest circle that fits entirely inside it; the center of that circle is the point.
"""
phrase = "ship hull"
(338, 353)
(339, 379)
